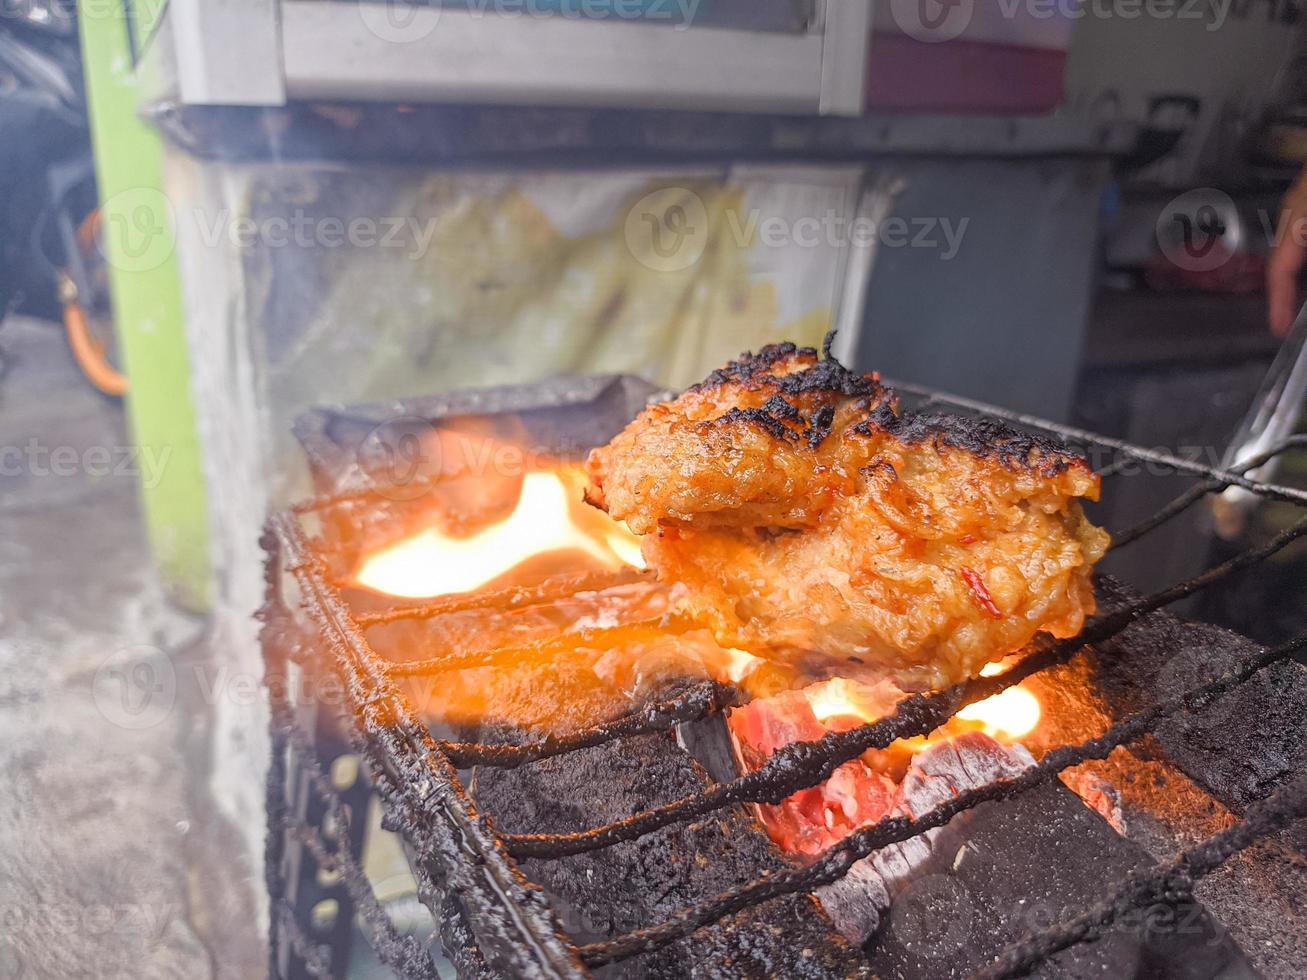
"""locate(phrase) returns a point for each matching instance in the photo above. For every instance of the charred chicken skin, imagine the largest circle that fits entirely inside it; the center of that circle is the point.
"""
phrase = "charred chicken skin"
(810, 521)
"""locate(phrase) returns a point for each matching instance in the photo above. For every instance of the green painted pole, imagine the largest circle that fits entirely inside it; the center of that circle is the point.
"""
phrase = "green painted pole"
(145, 289)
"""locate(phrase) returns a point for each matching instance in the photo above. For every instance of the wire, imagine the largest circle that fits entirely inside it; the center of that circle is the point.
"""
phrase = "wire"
(87, 351)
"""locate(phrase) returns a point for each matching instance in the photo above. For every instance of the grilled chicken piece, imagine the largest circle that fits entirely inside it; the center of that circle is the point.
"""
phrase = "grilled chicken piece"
(812, 522)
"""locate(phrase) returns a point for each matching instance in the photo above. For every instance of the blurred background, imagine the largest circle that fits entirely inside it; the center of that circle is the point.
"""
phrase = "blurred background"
(215, 216)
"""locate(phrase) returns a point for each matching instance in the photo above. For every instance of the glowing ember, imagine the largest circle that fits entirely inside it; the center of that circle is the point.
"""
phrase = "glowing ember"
(863, 790)
(813, 819)
(433, 563)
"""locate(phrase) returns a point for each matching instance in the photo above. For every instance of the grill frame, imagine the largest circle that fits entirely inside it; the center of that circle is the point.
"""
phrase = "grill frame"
(454, 850)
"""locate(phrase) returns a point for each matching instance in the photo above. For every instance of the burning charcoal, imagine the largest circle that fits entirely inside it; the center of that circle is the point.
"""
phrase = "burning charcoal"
(813, 819)
(1004, 869)
(959, 764)
(858, 901)
(1099, 795)
(601, 894)
(540, 661)
(1241, 747)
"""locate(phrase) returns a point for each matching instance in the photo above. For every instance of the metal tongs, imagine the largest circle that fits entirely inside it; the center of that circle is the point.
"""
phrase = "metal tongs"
(1272, 418)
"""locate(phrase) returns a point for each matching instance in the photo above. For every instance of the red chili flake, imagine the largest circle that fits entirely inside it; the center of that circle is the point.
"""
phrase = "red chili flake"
(979, 593)
(968, 539)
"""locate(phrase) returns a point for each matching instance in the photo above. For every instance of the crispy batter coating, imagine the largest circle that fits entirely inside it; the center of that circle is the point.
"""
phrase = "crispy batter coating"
(810, 521)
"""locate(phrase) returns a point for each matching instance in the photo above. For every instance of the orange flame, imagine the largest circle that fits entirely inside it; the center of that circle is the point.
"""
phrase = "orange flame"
(1006, 717)
(859, 702)
(550, 519)
(434, 563)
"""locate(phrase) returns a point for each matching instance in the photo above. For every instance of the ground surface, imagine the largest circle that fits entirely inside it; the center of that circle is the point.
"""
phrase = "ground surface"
(111, 861)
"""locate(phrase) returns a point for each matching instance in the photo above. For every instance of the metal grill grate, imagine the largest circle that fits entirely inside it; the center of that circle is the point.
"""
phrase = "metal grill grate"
(467, 873)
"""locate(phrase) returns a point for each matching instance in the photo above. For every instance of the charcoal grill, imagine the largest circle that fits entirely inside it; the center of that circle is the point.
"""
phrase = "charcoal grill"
(493, 921)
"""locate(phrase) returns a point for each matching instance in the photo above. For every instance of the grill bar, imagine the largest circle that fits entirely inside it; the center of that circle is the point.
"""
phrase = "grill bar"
(837, 861)
(596, 637)
(1164, 883)
(526, 941)
(403, 953)
(803, 764)
(504, 599)
(1273, 491)
(458, 854)
(1198, 491)
(660, 716)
